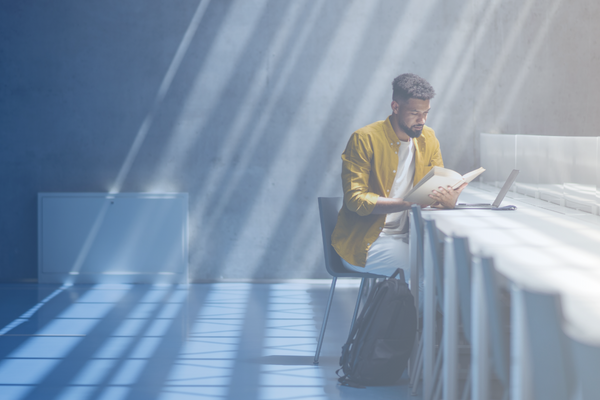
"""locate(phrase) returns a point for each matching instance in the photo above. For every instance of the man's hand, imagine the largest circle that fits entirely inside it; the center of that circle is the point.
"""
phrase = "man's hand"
(446, 197)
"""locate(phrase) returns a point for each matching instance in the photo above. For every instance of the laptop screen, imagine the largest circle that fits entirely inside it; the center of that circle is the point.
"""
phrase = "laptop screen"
(506, 187)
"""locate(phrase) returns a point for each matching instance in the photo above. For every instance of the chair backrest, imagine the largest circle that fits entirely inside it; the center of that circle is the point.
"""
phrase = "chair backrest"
(498, 320)
(435, 248)
(550, 354)
(329, 208)
(462, 263)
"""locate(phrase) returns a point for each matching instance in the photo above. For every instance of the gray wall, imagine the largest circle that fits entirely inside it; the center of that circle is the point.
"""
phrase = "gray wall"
(247, 105)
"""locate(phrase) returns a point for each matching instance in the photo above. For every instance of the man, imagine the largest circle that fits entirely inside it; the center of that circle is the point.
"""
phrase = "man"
(381, 163)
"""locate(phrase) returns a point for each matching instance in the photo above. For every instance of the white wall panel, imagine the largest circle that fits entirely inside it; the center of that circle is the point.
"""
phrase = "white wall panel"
(99, 237)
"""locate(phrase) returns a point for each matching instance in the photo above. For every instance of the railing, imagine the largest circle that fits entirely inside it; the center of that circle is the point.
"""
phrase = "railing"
(564, 170)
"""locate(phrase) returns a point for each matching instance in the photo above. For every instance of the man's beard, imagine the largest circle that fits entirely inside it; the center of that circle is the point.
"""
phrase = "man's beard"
(410, 132)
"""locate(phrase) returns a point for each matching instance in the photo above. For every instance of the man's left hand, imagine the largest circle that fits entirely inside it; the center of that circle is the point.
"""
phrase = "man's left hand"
(446, 197)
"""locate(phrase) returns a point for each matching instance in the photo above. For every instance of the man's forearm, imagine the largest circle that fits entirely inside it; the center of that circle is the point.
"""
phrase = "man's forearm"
(387, 205)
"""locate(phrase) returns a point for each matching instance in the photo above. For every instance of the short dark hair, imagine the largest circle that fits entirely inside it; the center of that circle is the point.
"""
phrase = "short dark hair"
(408, 86)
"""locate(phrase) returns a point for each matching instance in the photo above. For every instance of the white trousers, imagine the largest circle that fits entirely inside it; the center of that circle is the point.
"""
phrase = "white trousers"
(387, 253)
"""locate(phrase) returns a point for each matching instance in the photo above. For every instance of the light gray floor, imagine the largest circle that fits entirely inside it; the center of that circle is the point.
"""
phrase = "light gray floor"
(203, 341)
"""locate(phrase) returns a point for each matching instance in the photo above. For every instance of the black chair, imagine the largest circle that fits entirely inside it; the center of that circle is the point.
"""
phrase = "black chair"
(328, 211)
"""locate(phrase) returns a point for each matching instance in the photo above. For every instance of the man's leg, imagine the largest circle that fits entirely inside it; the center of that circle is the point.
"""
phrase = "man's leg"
(386, 255)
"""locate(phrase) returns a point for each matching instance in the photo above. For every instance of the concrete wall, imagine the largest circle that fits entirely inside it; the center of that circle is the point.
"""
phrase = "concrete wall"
(248, 104)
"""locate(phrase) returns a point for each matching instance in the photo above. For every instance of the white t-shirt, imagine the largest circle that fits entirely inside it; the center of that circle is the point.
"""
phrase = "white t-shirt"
(396, 223)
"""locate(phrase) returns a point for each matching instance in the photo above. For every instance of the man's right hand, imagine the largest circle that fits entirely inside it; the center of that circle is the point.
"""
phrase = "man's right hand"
(446, 197)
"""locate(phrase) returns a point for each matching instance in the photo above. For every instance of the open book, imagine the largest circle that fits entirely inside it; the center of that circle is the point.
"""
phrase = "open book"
(437, 177)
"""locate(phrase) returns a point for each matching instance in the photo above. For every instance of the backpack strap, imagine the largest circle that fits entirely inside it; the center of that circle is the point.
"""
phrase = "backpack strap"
(368, 305)
(400, 272)
(345, 381)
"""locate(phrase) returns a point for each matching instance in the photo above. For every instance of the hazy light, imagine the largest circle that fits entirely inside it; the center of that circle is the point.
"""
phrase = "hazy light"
(160, 95)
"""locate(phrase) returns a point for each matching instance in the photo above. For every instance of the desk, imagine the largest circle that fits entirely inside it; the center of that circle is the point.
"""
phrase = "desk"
(539, 246)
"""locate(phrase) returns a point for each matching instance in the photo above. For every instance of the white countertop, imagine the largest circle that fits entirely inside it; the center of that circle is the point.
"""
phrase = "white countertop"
(539, 246)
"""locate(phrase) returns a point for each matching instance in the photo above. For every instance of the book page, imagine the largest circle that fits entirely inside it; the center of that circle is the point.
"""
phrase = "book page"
(436, 171)
(469, 176)
(440, 171)
(434, 179)
(421, 194)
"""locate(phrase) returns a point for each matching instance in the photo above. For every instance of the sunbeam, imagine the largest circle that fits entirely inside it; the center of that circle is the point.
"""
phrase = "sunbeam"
(160, 95)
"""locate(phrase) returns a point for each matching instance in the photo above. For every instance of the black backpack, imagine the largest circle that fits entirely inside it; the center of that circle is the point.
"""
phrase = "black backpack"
(382, 338)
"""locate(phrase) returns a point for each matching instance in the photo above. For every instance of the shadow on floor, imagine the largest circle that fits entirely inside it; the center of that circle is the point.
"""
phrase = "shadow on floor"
(174, 342)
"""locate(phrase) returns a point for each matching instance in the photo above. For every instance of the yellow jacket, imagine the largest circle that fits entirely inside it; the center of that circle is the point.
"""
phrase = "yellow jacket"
(368, 171)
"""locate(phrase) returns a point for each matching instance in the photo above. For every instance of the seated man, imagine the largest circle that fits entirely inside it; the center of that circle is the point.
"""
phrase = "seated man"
(381, 163)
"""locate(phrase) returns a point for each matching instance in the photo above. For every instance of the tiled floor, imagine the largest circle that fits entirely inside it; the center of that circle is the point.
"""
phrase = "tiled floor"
(202, 341)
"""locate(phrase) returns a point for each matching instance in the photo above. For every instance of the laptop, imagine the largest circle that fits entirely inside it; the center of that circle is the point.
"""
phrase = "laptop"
(496, 204)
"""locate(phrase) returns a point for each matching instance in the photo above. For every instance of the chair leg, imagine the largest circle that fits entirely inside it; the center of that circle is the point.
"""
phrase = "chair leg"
(369, 283)
(360, 290)
(325, 318)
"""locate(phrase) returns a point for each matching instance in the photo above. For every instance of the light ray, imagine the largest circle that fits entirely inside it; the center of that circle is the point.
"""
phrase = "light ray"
(462, 71)
(532, 52)
(239, 130)
(278, 169)
(162, 91)
(502, 61)
(197, 111)
(89, 241)
(395, 54)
